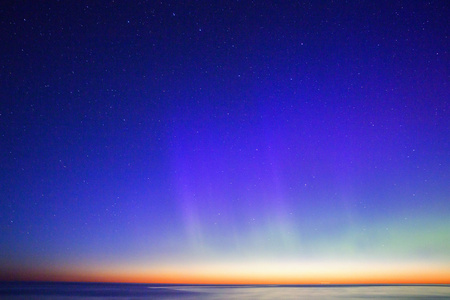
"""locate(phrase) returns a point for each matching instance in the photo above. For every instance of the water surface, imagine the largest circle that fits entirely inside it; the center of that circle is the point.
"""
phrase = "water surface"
(98, 291)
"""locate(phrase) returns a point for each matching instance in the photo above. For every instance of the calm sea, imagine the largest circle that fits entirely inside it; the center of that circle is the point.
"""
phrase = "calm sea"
(98, 291)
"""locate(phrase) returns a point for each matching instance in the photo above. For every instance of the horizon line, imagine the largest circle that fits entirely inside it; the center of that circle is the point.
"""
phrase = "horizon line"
(327, 284)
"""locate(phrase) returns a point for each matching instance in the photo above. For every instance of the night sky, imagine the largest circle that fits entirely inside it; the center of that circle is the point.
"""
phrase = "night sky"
(228, 142)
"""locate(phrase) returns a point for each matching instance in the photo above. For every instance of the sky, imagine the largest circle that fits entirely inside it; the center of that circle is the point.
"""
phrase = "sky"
(229, 142)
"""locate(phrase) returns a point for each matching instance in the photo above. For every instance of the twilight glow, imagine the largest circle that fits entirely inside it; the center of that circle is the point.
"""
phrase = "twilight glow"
(243, 143)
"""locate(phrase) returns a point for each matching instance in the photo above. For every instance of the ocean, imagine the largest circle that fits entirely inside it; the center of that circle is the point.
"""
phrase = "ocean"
(99, 291)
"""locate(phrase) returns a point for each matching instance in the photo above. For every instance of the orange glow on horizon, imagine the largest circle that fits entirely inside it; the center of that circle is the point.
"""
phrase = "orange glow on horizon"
(262, 275)
(410, 279)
